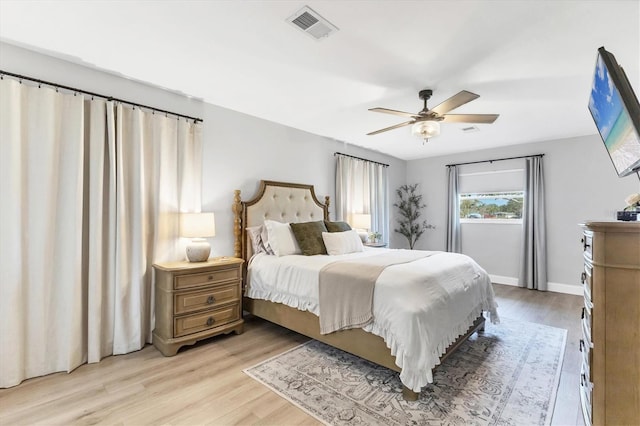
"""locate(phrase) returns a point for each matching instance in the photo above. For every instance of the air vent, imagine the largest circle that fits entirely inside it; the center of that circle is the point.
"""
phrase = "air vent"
(307, 20)
(470, 129)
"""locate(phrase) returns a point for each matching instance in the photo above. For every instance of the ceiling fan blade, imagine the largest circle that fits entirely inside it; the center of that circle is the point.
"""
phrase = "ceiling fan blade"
(406, 123)
(454, 102)
(470, 118)
(394, 112)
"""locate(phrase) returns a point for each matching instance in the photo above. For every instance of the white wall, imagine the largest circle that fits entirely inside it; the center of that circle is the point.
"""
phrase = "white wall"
(238, 149)
(580, 184)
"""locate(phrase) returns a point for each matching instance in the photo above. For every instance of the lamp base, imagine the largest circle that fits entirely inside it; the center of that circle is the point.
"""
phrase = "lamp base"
(198, 250)
(364, 235)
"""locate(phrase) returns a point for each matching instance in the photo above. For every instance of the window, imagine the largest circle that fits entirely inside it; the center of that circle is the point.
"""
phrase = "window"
(491, 207)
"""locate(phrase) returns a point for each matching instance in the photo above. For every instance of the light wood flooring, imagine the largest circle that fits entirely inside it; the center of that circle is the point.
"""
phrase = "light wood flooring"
(204, 384)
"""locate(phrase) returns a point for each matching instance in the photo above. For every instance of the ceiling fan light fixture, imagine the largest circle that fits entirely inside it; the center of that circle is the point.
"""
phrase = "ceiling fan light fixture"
(426, 129)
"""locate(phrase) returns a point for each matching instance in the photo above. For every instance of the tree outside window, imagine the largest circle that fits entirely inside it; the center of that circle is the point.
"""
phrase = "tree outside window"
(492, 206)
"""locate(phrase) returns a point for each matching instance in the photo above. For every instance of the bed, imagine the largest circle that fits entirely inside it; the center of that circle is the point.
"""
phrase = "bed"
(271, 286)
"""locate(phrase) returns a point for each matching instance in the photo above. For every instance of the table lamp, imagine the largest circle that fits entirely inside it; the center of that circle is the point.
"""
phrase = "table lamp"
(198, 226)
(361, 222)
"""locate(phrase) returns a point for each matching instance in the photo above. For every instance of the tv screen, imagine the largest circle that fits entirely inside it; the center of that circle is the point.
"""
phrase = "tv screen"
(616, 112)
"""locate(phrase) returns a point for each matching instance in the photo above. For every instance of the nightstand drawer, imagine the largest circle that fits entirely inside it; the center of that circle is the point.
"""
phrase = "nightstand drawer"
(207, 278)
(205, 320)
(205, 299)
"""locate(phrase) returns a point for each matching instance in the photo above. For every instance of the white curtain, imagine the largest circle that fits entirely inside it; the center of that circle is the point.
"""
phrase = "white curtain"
(533, 264)
(92, 191)
(454, 240)
(362, 187)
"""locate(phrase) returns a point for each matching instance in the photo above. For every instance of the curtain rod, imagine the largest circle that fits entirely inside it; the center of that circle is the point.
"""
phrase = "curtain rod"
(498, 159)
(360, 158)
(109, 98)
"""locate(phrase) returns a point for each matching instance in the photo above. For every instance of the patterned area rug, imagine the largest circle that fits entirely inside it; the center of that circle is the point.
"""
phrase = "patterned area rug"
(506, 376)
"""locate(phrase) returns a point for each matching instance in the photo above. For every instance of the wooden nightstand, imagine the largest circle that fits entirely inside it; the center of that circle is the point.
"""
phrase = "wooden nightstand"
(377, 245)
(194, 301)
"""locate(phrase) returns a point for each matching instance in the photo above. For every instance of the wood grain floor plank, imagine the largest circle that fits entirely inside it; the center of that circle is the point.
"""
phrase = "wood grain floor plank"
(204, 384)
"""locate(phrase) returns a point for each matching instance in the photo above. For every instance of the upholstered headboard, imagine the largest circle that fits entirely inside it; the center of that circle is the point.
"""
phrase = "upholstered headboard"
(280, 201)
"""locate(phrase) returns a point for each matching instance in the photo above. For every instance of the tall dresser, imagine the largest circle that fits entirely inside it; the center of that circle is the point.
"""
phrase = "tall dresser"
(610, 375)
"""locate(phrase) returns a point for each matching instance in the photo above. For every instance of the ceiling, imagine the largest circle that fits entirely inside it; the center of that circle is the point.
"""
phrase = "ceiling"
(530, 61)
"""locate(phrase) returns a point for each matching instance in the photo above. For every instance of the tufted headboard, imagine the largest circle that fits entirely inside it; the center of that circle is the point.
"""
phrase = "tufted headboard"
(280, 201)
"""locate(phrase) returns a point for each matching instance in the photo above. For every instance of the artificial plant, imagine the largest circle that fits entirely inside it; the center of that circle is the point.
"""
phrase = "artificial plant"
(410, 205)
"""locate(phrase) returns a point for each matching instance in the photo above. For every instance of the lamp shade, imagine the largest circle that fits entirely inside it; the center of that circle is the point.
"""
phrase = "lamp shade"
(426, 129)
(361, 221)
(197, 225)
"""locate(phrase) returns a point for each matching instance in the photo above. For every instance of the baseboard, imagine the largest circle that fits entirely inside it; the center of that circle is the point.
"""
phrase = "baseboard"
(565, 288)
(499, 279)
(551, 286)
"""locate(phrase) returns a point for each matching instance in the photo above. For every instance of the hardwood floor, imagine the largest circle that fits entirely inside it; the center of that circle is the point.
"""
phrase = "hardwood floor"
(204, 384)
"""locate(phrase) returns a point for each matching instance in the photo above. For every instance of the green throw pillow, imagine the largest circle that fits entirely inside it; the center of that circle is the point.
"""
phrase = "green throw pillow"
(309, 237)
(337, 226)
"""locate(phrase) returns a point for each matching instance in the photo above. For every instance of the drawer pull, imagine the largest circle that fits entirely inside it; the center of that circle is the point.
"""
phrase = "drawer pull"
(210, 321)
(581, 345)
(583, 277)
(582, 317)
(211, 300)
(584, 244)
(210, 277)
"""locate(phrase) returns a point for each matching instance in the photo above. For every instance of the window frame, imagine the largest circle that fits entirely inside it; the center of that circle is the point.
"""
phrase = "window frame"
(496, 221)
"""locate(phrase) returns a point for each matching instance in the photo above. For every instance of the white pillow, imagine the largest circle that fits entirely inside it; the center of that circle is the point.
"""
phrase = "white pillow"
(281, 238)
(257, 235)
(342, 242)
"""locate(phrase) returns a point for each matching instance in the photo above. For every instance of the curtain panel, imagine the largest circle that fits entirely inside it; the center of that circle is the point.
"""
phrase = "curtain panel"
(533, 263)
(362, 187)
(92, 193)
(454, 240)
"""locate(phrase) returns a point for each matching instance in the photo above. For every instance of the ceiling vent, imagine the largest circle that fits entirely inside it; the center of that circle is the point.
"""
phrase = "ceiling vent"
(470, 129)
(307, 20)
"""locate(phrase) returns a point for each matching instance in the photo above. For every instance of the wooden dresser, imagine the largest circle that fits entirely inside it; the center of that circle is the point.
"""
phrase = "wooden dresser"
(194, 301)
(610, 374)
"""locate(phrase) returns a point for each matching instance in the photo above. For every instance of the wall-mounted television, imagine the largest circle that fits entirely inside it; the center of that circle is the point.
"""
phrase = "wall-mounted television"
(616, 112)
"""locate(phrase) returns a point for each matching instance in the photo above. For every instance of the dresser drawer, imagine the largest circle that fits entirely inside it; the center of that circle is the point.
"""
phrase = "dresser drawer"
(205, 299)
(587, 281)
(586, 389)
(585, 349)
(587, 244)
(194, 323)
(586, 332)
(207, 278)
(587, 315)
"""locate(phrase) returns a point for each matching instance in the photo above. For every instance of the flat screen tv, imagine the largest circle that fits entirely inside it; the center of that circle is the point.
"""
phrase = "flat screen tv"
(616, 112)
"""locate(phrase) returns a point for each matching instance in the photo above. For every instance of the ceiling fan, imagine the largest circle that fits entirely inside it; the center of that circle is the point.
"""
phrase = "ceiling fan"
(426, 123)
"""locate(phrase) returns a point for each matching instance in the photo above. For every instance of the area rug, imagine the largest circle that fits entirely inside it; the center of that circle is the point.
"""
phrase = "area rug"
(507, 375)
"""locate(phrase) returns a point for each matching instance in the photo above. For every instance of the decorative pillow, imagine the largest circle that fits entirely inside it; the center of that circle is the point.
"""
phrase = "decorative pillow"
(337, 226)
(281, 238)
(309, 237)
(265, 240)
(342, 242)
(256, 236)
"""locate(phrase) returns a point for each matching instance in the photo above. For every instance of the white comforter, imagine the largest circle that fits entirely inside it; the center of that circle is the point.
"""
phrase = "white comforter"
(419, 308)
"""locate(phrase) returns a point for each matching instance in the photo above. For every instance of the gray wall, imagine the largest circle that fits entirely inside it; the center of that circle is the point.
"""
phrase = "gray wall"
(580, 183)
(238, 149)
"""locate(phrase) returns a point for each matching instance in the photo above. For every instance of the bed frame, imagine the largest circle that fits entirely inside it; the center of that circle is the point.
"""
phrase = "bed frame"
(291, 202)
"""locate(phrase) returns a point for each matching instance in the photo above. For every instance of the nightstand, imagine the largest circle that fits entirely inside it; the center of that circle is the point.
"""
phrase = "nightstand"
(378, 245)
(194, 301)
